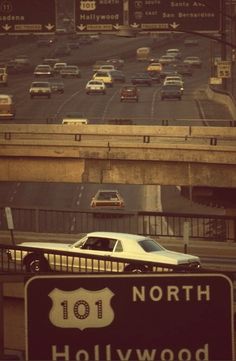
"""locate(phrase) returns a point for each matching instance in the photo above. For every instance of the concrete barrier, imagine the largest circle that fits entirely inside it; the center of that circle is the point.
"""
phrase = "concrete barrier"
(223, 98)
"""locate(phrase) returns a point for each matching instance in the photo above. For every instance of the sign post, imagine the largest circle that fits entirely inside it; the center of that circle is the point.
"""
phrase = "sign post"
(130, 317)
(10, 223)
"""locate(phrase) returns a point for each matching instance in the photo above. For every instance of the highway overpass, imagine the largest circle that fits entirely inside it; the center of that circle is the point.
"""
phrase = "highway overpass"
(125, 154)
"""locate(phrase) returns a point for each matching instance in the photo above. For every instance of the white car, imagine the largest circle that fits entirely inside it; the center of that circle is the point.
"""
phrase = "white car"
(175, 79)
(174, 52)
(107, 198)
(167, 59)
(40, 88)
(70, 71)
(109, 244)
(95, 86)
(107, 67)
(43, 70)
(175, 82)
(105, 76)
(74, 118)
(194, 61)
(58, 67)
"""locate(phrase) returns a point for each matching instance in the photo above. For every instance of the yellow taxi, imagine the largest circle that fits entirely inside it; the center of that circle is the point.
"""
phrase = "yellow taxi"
(154, 67)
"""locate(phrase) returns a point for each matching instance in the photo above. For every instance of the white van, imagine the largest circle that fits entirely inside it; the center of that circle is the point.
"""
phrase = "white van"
(143, 54)
(74, 118)
(7, 107)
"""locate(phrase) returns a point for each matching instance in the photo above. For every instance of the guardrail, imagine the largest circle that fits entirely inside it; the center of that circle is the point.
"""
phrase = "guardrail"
(155, 224)
(74, 134)
(19, 259)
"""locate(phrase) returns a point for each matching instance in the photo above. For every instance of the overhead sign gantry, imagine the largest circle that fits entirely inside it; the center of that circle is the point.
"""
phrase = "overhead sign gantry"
(169, 15)
(27, 16)
(98, 16)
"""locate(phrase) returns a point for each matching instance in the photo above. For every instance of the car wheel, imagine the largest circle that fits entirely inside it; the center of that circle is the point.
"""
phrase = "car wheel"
(35, 263)
(87, 93)
(31, 96)
(136, 268)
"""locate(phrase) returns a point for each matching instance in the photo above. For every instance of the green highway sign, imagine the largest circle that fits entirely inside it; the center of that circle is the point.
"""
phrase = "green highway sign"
(169, 15)
(98, 16)
(129, 317)
(27, 16)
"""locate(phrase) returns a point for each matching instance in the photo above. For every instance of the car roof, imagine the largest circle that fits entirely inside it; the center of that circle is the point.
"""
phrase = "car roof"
(40, 82)
(116, 235)
(107, 190)
(95, 81)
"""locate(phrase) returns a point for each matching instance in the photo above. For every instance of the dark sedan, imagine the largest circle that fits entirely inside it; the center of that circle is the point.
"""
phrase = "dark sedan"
(118, 76)
(141, 79)
(171, 91)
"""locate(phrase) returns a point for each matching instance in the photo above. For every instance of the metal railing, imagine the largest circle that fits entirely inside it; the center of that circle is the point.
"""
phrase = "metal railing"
(157, 224)
(20, 259)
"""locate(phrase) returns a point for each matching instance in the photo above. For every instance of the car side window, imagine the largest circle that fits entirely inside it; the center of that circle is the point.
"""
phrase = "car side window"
(118, 247)
(99, 244)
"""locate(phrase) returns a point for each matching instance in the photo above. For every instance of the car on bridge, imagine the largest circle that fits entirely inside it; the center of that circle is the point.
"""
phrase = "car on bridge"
(134, 252)
(107, 198)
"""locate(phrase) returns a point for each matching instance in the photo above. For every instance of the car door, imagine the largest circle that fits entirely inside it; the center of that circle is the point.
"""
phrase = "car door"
(95, 246)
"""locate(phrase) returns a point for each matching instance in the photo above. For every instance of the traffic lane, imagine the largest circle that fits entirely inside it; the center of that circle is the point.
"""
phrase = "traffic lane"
(24, 107)
(173, 201)
(65, 195)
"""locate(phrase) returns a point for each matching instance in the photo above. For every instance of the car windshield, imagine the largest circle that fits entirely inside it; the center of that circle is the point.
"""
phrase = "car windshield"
(107, 195)
(40, 85)
(149, 245)
(172, 86)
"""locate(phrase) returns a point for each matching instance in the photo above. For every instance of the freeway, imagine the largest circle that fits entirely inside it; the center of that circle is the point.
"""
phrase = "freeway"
(99, 109)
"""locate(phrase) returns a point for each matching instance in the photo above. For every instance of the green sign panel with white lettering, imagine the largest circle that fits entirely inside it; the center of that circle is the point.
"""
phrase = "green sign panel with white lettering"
(27, 16)
(173, 15)
(101, 16)
(129, 317)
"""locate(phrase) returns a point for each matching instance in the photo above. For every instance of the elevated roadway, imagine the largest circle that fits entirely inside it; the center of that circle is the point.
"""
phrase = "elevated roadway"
(165, 155)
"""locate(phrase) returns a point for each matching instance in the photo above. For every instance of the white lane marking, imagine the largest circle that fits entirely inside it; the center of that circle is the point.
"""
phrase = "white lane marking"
(153, 102)
(67, 101)
(108, 104)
